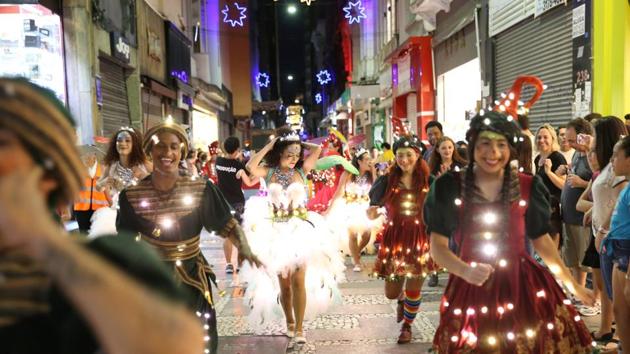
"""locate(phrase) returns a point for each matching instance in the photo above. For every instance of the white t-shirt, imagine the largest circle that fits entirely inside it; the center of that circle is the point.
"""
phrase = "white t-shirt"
(604, 198)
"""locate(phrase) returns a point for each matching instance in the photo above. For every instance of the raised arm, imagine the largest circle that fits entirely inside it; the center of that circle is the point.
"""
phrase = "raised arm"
(311, 160)
(242, 175)
(253, 165)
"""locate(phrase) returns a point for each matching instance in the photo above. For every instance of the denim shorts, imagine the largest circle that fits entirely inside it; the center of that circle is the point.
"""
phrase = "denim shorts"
(621, 253)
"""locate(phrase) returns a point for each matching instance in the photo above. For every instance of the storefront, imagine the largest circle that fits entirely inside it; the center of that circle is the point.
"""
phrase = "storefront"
(178, 61)
(535, 39)
(31, 46)
(413, 94)
(457, 67)
(111, 86)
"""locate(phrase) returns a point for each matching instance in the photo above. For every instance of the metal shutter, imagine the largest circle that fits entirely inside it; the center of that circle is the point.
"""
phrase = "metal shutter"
(115, 110)
(541, 47)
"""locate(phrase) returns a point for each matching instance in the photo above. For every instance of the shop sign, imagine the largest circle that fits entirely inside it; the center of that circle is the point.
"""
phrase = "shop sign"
(543, 6)
(120, 47)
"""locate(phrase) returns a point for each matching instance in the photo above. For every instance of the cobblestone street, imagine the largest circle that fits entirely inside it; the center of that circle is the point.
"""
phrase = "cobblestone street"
(365, 323)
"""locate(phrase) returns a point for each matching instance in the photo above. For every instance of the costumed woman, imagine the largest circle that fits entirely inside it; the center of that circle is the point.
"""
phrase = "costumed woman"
(350, 202)
(325, 182)
(498, 298)
(125, 165)
(169, 212)
(403, 257)
(59, 294)
(296, 246)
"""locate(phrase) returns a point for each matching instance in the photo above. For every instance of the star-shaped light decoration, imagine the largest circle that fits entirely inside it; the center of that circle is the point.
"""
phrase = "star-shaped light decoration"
(323, 77)
(308, 2)
(238, 21)
(354, 11)
(318, 98)
(262, 80)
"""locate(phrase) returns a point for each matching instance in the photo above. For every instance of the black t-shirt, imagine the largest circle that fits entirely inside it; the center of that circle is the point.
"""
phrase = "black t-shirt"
(229, 185)
(557, 160)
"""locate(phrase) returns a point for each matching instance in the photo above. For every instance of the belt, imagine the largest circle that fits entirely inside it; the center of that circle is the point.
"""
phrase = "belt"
(178, 251)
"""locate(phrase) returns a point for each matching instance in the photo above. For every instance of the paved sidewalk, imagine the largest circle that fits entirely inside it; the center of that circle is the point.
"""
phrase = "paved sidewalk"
(364, 324)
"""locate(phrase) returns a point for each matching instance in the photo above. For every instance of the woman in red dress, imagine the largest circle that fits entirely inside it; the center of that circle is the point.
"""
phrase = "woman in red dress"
(403, 257)
(499, 299)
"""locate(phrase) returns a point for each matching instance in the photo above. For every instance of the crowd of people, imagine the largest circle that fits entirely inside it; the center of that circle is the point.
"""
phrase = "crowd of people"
(533, 228)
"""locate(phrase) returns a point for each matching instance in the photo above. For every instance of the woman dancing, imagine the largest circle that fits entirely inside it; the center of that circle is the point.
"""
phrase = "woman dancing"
(125, 165)
(295, 245)
(403, 257)
(349, 206)
(498, 298)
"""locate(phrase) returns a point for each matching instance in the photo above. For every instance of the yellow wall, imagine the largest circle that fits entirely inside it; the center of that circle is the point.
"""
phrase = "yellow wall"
(611, 57)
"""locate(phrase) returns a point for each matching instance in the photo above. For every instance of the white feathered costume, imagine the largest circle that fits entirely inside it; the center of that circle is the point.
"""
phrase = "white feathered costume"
(285, 236)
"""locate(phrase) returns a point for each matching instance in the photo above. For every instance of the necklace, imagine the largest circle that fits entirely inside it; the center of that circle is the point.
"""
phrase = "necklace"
(124, 174)
(284, 179)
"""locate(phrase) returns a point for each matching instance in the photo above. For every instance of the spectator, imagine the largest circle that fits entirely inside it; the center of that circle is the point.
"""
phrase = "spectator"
(565, 148)
(434, 133)
(547, 162)
(445, 157)
(578, 134)
(90, 199)
(231, 174)
(387, 155)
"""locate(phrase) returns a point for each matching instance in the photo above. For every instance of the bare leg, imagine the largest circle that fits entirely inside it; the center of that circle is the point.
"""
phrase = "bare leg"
(393, 289)
(621, 308)
(354, 248)
(299, 298)
(227, 250)
(606, 319)
(286, 300)
(365, 239)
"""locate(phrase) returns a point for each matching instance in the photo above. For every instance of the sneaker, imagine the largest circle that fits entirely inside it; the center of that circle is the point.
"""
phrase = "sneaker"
(405, 334)
(357, 268)
(433, 280)
(229, 269)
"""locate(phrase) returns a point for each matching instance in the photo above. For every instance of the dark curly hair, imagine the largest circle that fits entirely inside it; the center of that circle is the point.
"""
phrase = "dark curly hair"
(273, 157)
(136, 157)
(355, 163)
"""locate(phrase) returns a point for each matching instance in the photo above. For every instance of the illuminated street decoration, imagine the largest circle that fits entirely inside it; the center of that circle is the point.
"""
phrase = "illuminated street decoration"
(354, 11)
(308, 2)
(238, 20)
(318, 98)
(323, 77)
(262, 80)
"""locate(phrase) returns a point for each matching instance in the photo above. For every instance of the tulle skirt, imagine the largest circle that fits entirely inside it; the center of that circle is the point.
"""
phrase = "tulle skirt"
(103, 222)
(347, 218)
(283, 247)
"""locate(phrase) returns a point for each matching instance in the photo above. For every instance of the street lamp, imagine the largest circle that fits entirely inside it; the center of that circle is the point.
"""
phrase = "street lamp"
(292, 9)
(290, 77)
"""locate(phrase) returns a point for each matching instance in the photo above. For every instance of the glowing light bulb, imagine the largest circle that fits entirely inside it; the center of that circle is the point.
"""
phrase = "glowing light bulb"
(530, 333)
(458, 201)
(457, 312)
(510, 306)
(510, 336)
(566, 302)
(206, 327)
(502, 263)
(490, 218)
(178, 263)
(484, 310)
(503, 95)
(522, 203)
(169, 120)
(482, 112)
(508, 103)
(473, 264)
(577, 318)
(540, 293)
(470, 311)
(511, 95)
(509, 118)
(446, 304)
(167, 223)
(490, 249)
(155, 139)
(502, 108)
(486, 121)
(500, 310)
(554, 268)
(549, 326)
(206, 338)
(472, 338)
(188, 200)
(492, 340)
(454, 339)
(487, 235)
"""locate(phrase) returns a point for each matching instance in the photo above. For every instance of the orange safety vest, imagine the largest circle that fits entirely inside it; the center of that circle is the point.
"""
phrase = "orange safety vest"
(89, 197)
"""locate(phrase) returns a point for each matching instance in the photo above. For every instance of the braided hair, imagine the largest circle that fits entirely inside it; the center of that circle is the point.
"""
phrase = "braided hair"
(501, 124)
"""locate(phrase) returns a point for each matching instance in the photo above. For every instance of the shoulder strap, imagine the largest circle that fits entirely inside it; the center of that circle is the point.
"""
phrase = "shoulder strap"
(302, 174)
